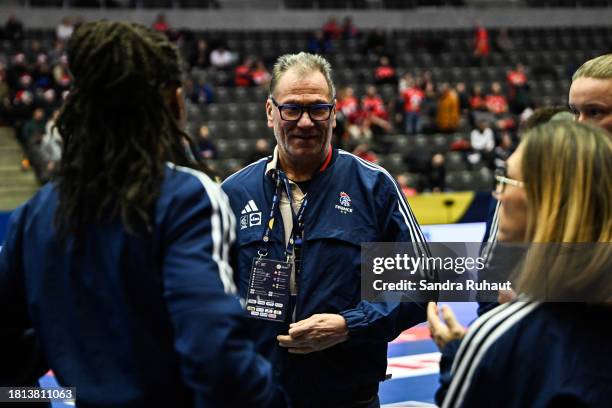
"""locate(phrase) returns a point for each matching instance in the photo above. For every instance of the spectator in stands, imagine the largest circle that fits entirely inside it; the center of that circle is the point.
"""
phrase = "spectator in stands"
(42, 76)
(206, 149)
(348, 114)
(61, 75)
(47, 100)
(407, 189)
(332, 30)
(590, 96)
(242, 73)
(495, 101)
(503, 42)
(318, 44)
(21, 111)
(262, 149)
(437, 173)
(481, 43)
(221, 57)
(464, 99)
(13, 30)
(376, 42)
(428, 110)
(447, 115)
(259, 74)
(384, 73)
(200, 55)
(518, 89)
(376, 117)
(51, 145)
(482, 141)
(364, 151)
(34, 129)
(161, 24)
(203, 92)
(503, 151)
(412, 97)
(130, 239)
(64, 29)
(349, 31)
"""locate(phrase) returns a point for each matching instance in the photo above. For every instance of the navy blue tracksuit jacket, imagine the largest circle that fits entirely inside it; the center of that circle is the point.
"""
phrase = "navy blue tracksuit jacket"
(350, 202)
(135, 322)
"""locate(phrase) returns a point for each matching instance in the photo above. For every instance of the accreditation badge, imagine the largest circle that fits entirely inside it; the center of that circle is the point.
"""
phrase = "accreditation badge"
(268, 294)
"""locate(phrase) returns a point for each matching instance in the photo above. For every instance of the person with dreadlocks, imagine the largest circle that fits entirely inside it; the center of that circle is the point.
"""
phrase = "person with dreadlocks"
(121, 265)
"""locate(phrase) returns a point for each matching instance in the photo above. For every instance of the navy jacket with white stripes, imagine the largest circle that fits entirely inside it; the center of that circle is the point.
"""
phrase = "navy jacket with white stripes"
(537, 355)
(329, 281)
(135, 321)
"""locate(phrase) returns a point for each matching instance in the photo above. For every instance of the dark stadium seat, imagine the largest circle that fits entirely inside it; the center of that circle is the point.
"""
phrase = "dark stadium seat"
(455, 161)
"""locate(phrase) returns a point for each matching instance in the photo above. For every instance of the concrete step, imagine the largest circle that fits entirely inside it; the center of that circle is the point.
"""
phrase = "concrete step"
(10, 155)
(7, 137)
(15, 177)
(11, 198)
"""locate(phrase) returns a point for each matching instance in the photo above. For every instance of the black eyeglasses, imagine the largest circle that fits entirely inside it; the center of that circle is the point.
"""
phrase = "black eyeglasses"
(291, 112)
(502, 180)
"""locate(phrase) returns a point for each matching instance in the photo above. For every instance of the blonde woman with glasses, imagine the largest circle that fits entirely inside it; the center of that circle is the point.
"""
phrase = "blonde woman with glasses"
(533, 352)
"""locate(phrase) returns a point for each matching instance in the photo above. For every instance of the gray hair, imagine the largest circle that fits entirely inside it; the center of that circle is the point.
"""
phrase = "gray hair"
(304, 63)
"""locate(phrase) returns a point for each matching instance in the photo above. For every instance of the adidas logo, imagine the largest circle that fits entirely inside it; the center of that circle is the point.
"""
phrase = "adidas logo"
(250, 215)
(250, 207)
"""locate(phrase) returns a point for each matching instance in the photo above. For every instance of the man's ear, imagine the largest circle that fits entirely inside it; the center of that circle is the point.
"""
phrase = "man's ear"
(334, 114)
(269, 113)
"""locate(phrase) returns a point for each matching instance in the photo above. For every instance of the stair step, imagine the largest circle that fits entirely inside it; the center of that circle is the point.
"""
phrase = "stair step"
(13, 197)
(15, 177)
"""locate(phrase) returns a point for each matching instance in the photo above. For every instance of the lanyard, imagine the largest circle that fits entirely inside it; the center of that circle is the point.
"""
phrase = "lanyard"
(296, 237)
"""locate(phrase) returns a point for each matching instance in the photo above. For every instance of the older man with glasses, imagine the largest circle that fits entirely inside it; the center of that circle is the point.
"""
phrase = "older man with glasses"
(303, 213)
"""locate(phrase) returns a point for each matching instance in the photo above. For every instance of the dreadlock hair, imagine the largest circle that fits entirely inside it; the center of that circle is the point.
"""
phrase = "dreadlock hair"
(117, 127)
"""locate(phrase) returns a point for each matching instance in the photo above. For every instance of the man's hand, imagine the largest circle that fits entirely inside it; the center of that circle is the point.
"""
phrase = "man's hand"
(442, 333)
(318, 332)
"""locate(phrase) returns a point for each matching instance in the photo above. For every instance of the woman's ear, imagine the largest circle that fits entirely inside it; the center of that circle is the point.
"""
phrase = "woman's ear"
(175, 99)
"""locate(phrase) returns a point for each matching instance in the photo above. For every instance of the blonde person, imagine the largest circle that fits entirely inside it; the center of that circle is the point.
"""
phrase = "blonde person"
(530, 353)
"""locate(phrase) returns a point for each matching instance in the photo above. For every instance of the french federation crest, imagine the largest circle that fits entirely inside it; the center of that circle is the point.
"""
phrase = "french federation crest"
(344, 203)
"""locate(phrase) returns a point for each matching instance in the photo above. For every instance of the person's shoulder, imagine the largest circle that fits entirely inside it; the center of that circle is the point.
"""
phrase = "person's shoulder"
(187, 183)
(245, 175)
(366, 171)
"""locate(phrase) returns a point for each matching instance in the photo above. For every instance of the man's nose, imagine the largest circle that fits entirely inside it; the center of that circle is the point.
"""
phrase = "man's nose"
(305, 120)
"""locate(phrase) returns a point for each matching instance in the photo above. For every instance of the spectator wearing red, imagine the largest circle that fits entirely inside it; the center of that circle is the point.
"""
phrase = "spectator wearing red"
(375, 114)
(384, 73)
(331, 29)
(242, 73)
(259, 74)
(412, 97)
(518, 89)
(496, 102)
(481, 42)
(349, 31)
(403, 182)
(348, 114)
(160, 24)
(364, 151)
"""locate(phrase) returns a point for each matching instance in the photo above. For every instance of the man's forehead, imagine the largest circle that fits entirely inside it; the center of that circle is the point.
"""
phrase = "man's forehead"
(587, 90)
(295, 82)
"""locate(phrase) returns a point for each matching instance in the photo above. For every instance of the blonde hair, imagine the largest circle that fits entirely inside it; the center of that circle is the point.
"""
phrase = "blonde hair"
(304, 63)
(566, 169)
(599, 68)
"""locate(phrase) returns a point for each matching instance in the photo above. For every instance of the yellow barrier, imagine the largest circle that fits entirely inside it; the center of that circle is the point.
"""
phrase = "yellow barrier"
(436, 208)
